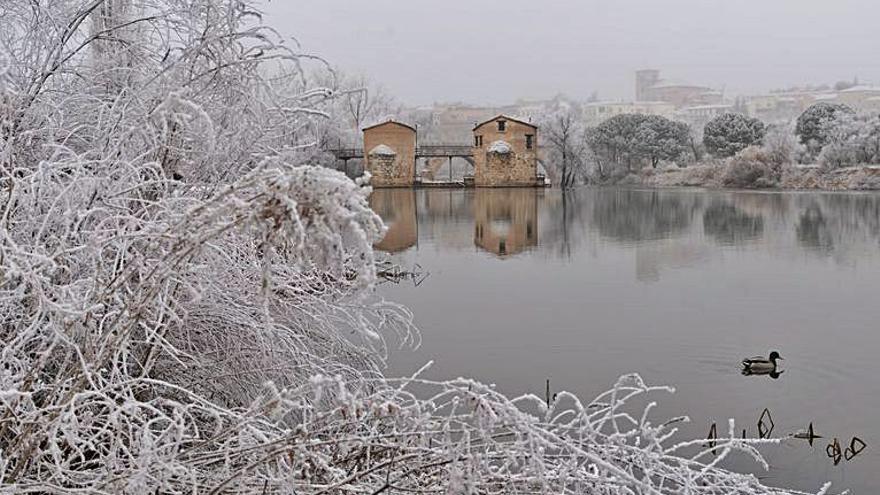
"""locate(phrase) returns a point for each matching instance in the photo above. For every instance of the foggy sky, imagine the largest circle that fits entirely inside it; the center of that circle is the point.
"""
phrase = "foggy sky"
(495, 51)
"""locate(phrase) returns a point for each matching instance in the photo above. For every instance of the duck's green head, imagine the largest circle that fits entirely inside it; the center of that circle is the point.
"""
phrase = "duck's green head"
(774, 356)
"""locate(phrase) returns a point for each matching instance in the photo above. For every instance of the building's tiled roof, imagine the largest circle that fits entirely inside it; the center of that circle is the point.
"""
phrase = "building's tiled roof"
(504, 117)
(389, 121)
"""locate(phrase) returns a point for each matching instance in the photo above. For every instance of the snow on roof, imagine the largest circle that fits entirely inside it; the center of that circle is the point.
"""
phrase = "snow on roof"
(382, 150)
(828, 96)
(500, 147)
(862, 88)
(708, 107)
(672, 83)
(627, 103)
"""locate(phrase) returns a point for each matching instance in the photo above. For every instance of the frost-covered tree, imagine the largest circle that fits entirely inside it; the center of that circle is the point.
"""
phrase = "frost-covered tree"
(812, 124)
(730, 133)
(632, 139)
(563, 133)
(359, 102)
(662, 139)
(615, 142)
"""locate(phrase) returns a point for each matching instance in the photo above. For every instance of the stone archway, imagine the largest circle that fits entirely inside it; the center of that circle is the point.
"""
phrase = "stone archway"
(437, 168)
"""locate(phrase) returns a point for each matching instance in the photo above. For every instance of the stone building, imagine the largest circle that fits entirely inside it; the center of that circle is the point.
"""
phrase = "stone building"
(600, 111)
(505, 153)
(390, 149)
(650, 87)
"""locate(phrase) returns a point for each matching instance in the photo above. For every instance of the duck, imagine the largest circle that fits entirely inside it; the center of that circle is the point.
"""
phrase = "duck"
(760, 365)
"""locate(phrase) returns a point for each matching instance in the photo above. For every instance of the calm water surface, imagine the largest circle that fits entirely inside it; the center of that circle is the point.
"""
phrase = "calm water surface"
(677, 285)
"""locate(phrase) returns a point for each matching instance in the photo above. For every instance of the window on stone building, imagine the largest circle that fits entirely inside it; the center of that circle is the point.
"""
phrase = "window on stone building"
(530, 139)
(502, 125)
(478, 141)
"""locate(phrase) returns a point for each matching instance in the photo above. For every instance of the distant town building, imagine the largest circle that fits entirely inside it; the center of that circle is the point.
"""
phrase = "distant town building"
(704, 111)
(505, 153)
(861, 97)
(597, 112)
(650, 87)
(390, 154)
(783, 106)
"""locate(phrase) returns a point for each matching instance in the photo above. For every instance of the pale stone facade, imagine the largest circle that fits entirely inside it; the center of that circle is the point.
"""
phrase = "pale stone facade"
(390, 149)
(650, 87)
(600, 111)
(505, 153)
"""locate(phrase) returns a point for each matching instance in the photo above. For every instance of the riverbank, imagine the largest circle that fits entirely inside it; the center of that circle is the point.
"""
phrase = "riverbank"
(793, 177)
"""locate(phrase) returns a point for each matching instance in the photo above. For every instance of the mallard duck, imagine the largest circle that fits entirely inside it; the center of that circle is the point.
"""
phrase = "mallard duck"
(759, 365)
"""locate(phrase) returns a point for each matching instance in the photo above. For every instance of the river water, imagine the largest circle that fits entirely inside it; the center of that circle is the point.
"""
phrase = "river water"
(678, 285)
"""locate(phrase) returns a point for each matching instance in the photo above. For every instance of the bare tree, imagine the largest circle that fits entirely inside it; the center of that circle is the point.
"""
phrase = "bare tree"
(563, 132)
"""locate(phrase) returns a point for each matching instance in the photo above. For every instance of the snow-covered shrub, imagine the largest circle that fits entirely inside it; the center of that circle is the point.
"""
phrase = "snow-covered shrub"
(752, 168)
(730, 133)
(851, 140)
(781, 144)
(865, 179)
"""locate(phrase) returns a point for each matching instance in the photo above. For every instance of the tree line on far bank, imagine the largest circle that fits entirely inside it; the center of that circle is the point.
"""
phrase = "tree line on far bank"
(750, 152)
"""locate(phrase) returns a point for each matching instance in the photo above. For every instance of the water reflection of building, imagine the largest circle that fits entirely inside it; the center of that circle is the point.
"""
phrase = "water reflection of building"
(506, 220)
(397, 207)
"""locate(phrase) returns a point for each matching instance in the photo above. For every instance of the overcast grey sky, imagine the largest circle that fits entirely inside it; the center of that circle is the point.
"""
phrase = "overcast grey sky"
(496, 51)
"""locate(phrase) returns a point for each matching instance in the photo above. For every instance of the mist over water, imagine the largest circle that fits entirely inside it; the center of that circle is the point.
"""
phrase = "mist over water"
(527, 285)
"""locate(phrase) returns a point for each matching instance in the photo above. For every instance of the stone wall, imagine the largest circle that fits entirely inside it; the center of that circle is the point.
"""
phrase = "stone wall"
(518, 167)
(390, 170)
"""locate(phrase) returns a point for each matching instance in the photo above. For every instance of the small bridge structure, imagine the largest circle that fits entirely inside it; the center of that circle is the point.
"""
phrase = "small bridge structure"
(422, 151)
(449, 151)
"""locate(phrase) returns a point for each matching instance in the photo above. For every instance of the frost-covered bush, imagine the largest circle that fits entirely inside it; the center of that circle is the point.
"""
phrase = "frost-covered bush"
(752, 168)
(781, 145)
(730, 133)
(851, 140)
(865, 180)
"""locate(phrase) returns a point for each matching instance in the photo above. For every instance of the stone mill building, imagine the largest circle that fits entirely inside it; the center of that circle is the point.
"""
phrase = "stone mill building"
(390, 154)
(505, 153)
